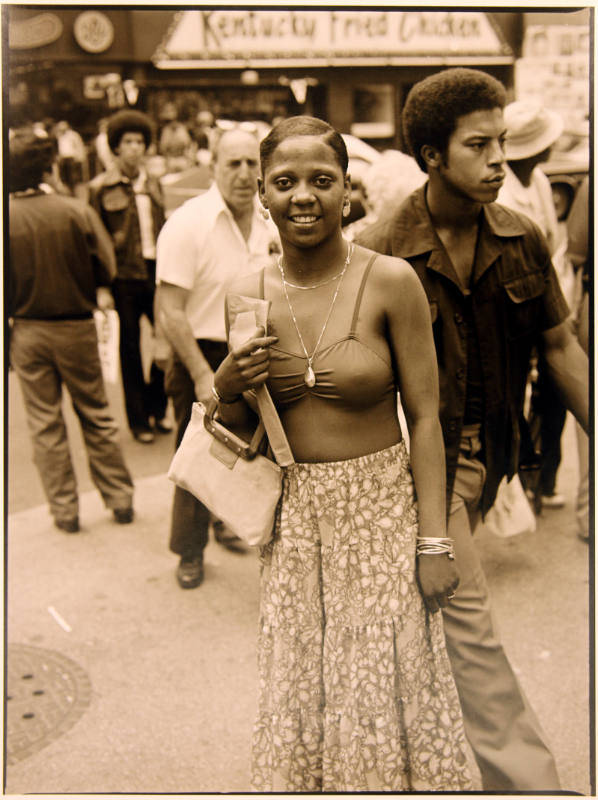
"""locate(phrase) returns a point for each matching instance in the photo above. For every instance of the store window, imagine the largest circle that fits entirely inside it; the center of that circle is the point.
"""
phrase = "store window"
(229, 102)
(373, 111)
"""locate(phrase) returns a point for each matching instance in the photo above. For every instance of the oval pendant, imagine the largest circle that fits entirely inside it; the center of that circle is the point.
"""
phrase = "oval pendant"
(309, 376)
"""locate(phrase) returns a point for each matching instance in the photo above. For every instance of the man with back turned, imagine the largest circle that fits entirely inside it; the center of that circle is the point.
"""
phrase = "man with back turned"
(60, 267)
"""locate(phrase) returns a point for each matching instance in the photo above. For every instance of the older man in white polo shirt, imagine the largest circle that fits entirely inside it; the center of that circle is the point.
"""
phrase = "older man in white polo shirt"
(205, 244)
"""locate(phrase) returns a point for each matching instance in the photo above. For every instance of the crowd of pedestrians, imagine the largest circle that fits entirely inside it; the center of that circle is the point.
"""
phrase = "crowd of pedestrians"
(377, 641)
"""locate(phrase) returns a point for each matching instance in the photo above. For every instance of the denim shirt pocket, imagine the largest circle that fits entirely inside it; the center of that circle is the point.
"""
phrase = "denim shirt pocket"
(116, 209)
(524, 303)
(115, 199)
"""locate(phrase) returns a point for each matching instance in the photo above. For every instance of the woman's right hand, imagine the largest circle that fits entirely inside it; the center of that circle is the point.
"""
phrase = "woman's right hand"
(245, 367)
(438, 578)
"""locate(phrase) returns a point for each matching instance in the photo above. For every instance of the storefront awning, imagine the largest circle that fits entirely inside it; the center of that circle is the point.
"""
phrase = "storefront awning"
(241, 39)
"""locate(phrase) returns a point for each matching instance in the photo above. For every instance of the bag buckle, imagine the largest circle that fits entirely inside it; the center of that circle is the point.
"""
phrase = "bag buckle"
(243, 449)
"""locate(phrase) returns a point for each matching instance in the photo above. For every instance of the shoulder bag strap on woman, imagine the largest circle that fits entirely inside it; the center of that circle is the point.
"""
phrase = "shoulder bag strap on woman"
(276, 435)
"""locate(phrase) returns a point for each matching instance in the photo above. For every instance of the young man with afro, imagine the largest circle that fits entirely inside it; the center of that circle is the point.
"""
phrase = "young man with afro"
(130, 203)
(493, 294)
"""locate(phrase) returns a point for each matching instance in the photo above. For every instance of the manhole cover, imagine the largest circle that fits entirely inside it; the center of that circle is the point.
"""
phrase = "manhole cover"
(46, 694)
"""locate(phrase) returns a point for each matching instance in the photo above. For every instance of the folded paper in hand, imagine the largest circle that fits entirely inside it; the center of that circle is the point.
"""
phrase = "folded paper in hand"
(245, 316)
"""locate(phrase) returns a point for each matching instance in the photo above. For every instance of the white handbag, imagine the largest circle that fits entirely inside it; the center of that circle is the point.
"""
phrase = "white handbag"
(229, 476)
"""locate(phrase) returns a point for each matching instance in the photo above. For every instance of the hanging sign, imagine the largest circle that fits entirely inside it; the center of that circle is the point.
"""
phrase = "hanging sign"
(34, 32)
(93, 31)
(347, 36)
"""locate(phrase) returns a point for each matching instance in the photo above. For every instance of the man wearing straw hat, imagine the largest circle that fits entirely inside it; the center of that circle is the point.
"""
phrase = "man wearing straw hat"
(531, 132)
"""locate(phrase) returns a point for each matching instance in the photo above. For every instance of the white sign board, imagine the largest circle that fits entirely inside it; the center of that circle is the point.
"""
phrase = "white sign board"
(555, 70)
(247, 35)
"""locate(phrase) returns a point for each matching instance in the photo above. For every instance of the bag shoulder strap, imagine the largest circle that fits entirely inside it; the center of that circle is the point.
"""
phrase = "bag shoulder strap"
(277, 437)
(276, 434)
(261, 286)
(364, 278)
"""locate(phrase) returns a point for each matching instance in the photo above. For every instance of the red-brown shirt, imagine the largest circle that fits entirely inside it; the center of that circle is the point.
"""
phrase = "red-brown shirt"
(58, 254)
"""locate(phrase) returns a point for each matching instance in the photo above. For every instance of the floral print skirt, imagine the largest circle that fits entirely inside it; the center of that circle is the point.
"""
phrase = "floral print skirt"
(356, 691)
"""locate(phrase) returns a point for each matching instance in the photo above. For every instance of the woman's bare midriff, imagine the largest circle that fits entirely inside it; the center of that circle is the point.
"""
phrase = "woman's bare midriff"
(321, 430)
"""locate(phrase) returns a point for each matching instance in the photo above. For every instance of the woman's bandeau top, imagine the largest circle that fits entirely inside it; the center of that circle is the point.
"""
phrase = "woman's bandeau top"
(348, 372)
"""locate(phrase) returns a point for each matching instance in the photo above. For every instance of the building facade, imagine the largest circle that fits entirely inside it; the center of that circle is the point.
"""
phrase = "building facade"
(352, 68)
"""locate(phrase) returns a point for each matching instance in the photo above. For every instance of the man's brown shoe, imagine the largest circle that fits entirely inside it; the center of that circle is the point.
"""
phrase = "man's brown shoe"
(145, 437)
(164, 425)
(70, 525)
(189, 572)
(123, 516)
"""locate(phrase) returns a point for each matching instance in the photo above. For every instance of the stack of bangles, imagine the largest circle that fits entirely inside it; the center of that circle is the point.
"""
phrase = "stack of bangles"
(434, 546)
(220, 399)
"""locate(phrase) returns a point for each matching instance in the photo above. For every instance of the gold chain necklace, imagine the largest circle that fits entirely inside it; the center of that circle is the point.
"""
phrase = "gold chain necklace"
(309, 376)
(313, 286)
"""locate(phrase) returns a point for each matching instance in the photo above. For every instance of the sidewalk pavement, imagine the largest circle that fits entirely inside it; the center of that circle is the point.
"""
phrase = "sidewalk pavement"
(162, 682)
(172, 672)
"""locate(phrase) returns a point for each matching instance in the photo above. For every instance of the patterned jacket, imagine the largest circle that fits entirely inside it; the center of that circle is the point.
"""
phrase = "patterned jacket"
(111, 194)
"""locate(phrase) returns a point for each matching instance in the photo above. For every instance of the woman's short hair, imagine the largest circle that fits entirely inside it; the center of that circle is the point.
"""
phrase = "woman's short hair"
(29, 158)
(434, 105)
(128, 122)
(304, 126)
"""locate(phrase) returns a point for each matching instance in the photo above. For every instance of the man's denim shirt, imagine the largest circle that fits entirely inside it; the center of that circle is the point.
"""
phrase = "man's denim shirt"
(514, 295)
(111, 195)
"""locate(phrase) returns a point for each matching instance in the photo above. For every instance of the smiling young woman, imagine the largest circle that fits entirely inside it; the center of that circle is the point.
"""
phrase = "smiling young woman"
(305, 189)
(356, 691)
